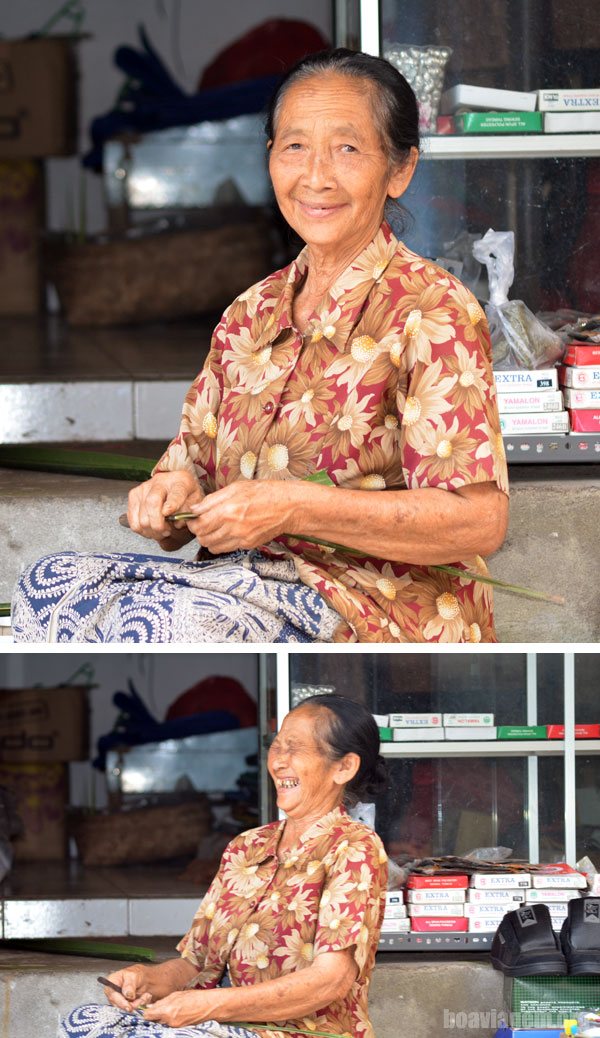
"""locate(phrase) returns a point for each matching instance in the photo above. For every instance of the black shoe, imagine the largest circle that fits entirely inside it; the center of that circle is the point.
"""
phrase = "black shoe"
(580, 937)
(525, 944)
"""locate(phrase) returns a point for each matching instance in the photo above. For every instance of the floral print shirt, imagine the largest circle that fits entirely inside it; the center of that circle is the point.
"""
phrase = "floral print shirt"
(390, 388)
(264, 919)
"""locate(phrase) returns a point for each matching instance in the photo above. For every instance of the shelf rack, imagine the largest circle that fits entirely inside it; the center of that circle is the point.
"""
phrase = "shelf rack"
(512, 146)
(491, 748)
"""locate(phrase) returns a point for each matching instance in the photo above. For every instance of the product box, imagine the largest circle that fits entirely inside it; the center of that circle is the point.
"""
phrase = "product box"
(528, 423)
(452, 924)
(38, 97)
(466, 720)
(582, 731)
(585, 421)
(572, 122)
(587, 399)
(487, 99)
(395, 926)
(583, 100)
(559, 874)
(447, 895)
(436, 911)
(579, 378)
(445, 126)
(41, 792)
(548, 896)
(381, 720)
(499, 122)
(500, 880)
(579, 355)
(395, 912)
(418, 734)
(488, 910)
(483, 925)
(394, 897)
(513, 379)
(522, 731)
(550, 1000)
(386, 734)
(502, 897)
(508, 403)
(448, 881)
(22, 191)
(471, 733)
(415, 720)
(44, 724)
(555, 907)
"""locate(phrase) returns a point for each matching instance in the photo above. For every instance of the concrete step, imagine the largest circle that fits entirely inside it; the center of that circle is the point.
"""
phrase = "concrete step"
(416, 994)
(552, 543)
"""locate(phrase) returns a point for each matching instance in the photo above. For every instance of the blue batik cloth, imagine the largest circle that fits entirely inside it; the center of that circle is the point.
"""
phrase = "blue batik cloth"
(240, 597)
(95, 1021)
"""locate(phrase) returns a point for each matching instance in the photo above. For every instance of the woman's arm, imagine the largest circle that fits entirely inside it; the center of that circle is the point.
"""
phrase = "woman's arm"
(141, 984)
(422, 527)
(298, 994)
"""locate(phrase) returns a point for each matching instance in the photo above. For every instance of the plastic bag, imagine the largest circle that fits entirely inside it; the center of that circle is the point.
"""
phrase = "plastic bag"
(489, 854)
(519, 339)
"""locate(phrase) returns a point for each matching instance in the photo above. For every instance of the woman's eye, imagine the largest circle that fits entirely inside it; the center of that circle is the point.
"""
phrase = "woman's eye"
(348, 148)
(294, 147)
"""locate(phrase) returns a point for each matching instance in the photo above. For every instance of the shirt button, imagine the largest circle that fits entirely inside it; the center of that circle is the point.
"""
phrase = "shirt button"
(269, 407)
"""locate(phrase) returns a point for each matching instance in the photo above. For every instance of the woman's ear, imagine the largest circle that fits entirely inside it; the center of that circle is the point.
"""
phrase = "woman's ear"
(402, 175)
(346, 769)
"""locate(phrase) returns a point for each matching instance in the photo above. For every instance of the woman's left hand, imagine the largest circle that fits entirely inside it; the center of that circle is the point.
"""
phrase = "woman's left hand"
(181, 1008)
(244, 515)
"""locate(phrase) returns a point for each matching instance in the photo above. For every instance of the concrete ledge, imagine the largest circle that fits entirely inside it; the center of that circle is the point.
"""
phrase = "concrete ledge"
(552, 542)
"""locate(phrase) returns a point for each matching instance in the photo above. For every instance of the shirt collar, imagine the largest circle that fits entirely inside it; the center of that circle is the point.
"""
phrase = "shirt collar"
(269, 841)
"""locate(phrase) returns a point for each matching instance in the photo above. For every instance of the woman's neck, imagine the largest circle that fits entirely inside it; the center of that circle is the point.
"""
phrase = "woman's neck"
(326, 264)
(295, 828)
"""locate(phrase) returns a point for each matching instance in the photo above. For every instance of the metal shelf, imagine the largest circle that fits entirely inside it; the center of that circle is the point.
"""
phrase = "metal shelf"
(488, 747)
(512, 146)
(572, 448)
(436, 941)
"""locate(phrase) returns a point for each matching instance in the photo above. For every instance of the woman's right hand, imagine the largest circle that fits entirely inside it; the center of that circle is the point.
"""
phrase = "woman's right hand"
(162, 495)
(136, 982)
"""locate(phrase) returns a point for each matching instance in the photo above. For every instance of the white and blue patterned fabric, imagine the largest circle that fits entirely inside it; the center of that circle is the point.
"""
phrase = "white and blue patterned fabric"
(240, 597)
(105, 1021)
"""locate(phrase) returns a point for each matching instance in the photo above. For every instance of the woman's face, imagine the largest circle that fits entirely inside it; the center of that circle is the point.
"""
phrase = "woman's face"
(328, 165)
(306, 781)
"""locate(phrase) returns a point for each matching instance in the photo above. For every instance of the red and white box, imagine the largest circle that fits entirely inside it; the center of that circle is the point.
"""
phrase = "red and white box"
(559, 875)
(453, 924)
(579, 378)
(528, 423)
(582, 731)
(585, 421)
(468, 720)
(548, 896)
(488, 911)
(415, 720)
(549, 400)
(483, 925)
(448, 881)
(495, 897)
(500, 880)
(586, 399)
(395, 912)
(579, 355)
(441, 908)
(395, 926)
(432, 897)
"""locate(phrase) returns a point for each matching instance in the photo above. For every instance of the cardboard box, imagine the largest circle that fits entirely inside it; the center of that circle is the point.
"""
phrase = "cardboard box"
(418, 734)
(447, 880)
(415, 720)
(559, 874)
(499, 122)
(44, 724)
(453, 924)
(38, 97)
(439, 909)
(582, 731)
(583, 399)
(462, 720)
(585, 100)
(447, 895)
(548, 896)
(522, 731)
(585, 421)
(41, 792)
(386, 734)
(500, 880)
(512, 379)
(543, 400)
(578, 354)
(528, 422)
(580, 378)
(21, 220)
(470, 733)
(501, 897)
(571, 122)
(487, 99)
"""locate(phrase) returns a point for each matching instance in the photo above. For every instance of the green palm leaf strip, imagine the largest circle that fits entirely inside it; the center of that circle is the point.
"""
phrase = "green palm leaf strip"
(91, 949)
(288, 1030)
(77, 463)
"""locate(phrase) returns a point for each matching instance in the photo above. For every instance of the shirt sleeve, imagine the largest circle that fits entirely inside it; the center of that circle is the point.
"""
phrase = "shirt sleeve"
(194, 945)
(449, 424)
(194, 448)
(353, 898)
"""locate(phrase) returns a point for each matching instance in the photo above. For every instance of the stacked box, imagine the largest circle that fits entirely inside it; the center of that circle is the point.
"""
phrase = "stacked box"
(411, 727)
(395, 918)
(579, 375)
(490, 897)
(555, 887)
(530, 402)
(436, 904)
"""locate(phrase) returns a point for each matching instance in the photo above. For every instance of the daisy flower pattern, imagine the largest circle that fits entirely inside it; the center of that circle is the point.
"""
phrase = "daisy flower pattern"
(389, 388)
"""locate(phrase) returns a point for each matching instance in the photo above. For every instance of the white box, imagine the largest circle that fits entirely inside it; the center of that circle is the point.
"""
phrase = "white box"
(542, 400)
(488, 911)
(534, 424)
(554, 907)
(395, 912)
(381, 720)
(587, 399)
(586, 99)
(431, 896)
(496, 897)
(463, 720)
(568, 881)
(548, 896)
(394, 897)
(483, 925)
(513, 379)
(442, 908)
(572, 122)
(500, 880)
(486, 99)
(581, 378)
(474, 734)
(418, 735)
(415, 720)
(395, 926)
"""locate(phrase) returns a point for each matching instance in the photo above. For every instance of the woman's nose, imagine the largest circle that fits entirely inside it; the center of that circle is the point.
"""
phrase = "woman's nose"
(318, 171)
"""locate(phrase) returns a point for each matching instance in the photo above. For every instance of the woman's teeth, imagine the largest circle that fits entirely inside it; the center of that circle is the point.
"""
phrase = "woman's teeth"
(288, 783)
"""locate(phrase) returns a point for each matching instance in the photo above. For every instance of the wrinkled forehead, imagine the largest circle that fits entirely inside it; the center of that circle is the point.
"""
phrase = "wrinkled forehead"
(305, 725)
(323, 92)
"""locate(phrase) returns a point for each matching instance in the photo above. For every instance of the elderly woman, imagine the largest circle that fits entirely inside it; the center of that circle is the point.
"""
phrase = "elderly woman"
(360, 361)
(293, 914)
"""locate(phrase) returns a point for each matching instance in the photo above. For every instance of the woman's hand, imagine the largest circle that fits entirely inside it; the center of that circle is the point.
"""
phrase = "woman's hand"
(245, 514)
(136, 982)
(162, 495)
(182, 1008)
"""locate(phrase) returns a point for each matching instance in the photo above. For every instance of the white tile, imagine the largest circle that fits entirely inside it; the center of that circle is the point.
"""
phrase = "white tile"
(158, 409)
(91, 917)
(162, 917)
(34, 412)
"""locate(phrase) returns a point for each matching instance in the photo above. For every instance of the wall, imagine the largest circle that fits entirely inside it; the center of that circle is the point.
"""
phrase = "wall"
(186, 33)
(158, 678)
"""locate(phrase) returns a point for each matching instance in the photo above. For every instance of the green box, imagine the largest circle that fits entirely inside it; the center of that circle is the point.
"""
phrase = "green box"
(386, 734)
(521, 731)
(499, 122)
(548, 1001)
